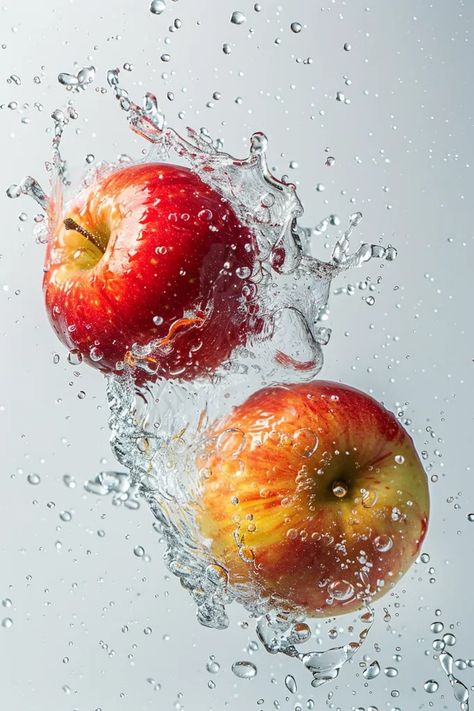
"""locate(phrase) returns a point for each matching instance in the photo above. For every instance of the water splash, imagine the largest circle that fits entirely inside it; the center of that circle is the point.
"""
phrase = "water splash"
(460, 690)
(157, 428)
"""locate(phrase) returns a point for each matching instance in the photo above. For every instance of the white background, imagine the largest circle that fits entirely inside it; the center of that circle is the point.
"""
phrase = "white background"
(403, 152)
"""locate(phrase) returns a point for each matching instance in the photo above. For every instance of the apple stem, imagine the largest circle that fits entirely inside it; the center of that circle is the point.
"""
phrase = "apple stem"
(71, 224)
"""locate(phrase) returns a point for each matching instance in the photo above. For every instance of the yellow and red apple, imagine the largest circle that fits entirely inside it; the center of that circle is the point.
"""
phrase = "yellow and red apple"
(149, 253)
(313, 496)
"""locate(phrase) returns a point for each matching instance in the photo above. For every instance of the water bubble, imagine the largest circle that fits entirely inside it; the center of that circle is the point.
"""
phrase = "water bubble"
(226, 48)
(341, 590)
(383, 543)
(65, 516)
(238, 17)
(470, 517)
(339, 489)
(95, 354)
(290, 684)
(399, 458)
(6, 602)
(347, 47)
(139, 551)
(391, 672)
(437, 627)
(296, 27)
(7, 622)
(34, 479)
(431, 686)
(244, 670)
(157, 7)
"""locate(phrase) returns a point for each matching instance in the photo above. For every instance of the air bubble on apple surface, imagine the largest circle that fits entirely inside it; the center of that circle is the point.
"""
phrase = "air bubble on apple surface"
(383, 543)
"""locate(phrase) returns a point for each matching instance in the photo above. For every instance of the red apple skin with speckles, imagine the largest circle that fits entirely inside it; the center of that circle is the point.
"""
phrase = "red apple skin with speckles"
(168, 263)
(313, 495)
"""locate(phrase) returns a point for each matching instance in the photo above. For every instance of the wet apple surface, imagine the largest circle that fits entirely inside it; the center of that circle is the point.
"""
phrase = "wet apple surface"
(149, 254)
(314, 495)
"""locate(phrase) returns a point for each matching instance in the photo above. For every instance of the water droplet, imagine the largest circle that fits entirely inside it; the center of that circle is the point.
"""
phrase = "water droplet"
(74, 357)
(157, 7)
(69, 481)
(244, 670)
(65, 516)
(212, 666)
(296, 27)
(290, 684)
(372, 671)
(391, 672)
(437, 627)
(34, 479)
(139, 551)
(7, 622)
(347, 47)
(470, 517)
(399, 458)
(449, 639)
(238, 17)
(431, 686)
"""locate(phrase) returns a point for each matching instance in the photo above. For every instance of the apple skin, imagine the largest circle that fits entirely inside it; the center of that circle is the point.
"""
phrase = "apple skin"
(174, 249)
(304, 486)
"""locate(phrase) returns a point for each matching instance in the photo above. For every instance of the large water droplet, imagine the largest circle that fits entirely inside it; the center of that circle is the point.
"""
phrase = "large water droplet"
(244, 670)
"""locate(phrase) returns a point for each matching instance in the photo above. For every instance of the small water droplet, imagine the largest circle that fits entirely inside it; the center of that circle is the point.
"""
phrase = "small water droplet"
(296, 27)
(7, 622)
(212, 666)
(34, 479)
(290, 684)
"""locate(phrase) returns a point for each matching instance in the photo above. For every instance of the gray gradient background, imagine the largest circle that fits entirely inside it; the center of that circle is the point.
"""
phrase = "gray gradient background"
(409, 128)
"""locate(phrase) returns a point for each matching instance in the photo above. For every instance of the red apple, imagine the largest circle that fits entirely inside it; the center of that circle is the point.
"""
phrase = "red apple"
(149, 253)
(313, 495)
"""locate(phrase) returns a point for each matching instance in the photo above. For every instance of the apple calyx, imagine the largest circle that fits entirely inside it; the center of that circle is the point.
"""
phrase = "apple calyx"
(71, 224)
